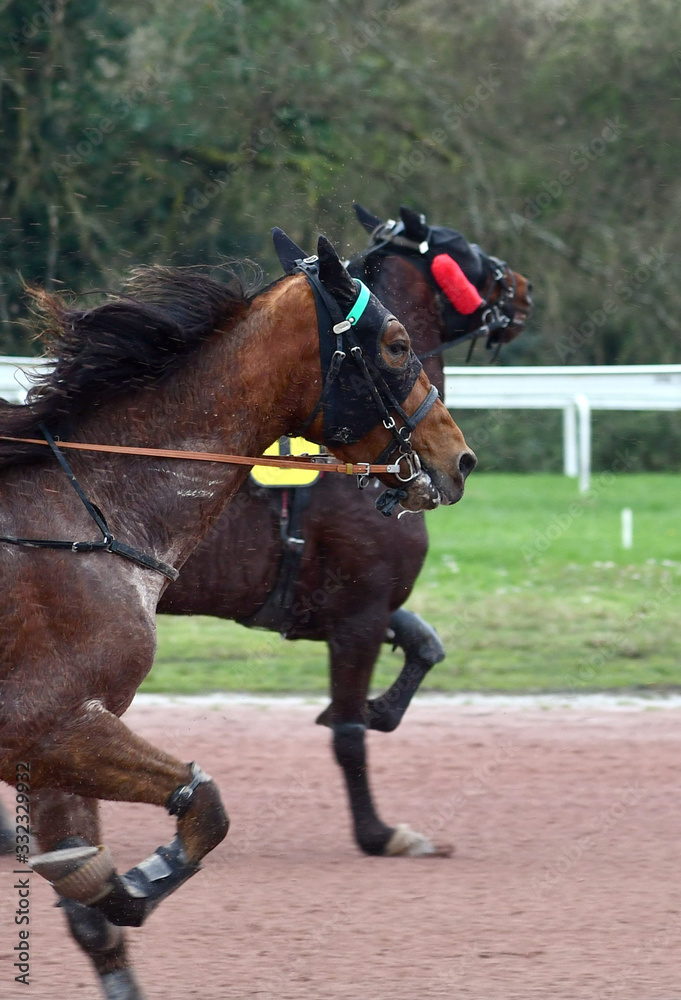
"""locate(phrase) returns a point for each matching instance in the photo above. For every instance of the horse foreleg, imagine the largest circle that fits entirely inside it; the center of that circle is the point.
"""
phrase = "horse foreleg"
(353, 653)
(422, 650)
(63, 821)
(125, 767)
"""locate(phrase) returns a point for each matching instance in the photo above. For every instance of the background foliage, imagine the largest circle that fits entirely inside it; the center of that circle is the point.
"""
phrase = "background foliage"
(546, 130)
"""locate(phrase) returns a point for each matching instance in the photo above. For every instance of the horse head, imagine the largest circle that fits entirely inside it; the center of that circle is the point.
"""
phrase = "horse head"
(375, 397)
(477, 294)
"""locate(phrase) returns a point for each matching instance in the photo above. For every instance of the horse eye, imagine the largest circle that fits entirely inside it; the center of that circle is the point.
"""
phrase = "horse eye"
(398, 348)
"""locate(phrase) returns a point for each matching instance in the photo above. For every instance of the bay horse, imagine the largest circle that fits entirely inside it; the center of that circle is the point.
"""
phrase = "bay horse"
(183, 364)
(320, 563)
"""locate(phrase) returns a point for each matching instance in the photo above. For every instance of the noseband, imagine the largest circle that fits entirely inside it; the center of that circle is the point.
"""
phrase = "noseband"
(364, 385)
(495, 316)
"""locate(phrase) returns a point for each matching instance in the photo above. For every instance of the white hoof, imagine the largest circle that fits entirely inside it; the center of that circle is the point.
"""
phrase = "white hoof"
(407, 843)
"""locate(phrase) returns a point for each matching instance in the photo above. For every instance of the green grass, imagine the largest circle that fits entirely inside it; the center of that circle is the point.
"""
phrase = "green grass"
(527, 585)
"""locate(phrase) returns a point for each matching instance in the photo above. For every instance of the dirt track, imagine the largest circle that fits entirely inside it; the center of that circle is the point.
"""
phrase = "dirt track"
(565, 882)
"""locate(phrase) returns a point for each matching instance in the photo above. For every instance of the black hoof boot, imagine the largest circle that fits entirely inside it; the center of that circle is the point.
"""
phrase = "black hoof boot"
(133, 896)
(422, 649)
(416, 637)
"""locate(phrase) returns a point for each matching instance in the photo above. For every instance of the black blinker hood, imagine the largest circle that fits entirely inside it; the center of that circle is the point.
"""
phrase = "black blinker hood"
(390, 238)
(467, 256)
(349, 408)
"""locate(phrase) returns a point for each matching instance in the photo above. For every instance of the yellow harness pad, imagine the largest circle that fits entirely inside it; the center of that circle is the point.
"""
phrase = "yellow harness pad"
(264, 475)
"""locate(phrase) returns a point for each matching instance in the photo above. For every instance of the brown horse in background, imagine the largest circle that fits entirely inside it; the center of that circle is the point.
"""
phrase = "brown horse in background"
(347, 583)
(180, 362)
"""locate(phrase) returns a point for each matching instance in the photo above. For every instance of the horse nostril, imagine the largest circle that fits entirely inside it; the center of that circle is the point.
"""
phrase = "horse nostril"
(467, 463)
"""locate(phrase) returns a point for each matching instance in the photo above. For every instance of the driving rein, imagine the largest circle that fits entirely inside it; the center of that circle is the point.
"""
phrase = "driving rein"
(365, 307)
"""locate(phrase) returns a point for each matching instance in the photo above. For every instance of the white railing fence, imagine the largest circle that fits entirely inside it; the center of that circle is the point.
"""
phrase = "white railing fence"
(574, 390)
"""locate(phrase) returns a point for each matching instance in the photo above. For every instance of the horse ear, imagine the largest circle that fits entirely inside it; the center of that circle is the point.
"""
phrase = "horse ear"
(288, 252)
(415, 227)
(332, 274)
(368, 220)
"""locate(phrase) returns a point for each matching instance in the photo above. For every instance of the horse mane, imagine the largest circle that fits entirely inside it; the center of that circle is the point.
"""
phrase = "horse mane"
(134, 340)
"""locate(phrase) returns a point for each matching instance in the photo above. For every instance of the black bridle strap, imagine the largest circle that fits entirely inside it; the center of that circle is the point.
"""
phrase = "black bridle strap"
(496, 322)
(415, 418)
(107, 544)
(358, 357)
(337, 360)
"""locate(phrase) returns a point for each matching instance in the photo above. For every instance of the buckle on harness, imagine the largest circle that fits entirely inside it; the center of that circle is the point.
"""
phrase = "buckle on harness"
(363, 478)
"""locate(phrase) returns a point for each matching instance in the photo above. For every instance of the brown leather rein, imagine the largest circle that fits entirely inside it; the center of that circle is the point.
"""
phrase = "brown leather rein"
(318, 462)
(108, 543)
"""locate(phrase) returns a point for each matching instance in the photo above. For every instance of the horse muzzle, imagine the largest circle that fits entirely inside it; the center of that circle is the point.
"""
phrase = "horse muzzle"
(432, 487)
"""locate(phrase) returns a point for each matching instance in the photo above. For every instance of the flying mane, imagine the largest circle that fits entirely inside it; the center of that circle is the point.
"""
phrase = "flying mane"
(132, 341)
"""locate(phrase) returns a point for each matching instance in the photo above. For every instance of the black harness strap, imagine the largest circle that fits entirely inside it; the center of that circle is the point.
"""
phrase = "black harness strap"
(107, 544)
(493, 323)
(275, 613)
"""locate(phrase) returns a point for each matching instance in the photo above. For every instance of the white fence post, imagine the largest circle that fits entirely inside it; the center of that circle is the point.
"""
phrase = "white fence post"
(584, 411)
(570, 457)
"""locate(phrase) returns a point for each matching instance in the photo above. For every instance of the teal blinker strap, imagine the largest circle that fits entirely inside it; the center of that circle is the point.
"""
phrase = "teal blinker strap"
(361, 302)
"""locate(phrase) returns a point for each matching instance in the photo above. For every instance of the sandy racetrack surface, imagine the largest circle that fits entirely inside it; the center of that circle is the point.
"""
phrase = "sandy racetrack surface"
(564, 883)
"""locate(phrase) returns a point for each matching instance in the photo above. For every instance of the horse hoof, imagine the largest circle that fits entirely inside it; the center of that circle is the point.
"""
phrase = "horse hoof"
(80, 873)
(407, 843)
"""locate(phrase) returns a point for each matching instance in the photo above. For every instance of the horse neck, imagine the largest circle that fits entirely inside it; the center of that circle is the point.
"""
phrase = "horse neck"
(240, 391)
(405, 290)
